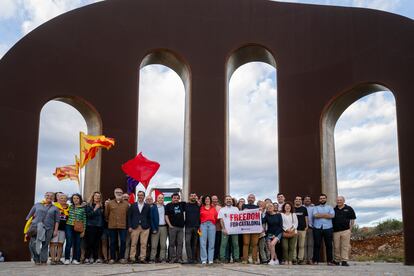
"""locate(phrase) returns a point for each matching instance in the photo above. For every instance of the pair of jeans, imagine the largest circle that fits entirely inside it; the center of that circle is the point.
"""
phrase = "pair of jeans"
(250, 240)
(161, 238)
(342, 245)
(72, 240)
(44, 252)
(208, 234)
(224, 244)
(289, 248)
(301, 244)
(175, 248)
(191, 237)
(92, 239)
(309, 245)
(113, 233)
(327, 235)
(139, 234)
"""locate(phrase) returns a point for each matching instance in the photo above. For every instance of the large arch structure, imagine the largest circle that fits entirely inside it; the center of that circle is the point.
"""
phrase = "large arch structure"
(93, 53)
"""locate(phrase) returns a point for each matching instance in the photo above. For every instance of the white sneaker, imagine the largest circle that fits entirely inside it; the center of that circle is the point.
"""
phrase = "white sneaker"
(75, 262)
(203, 263)
(86, 261)
(271, 262)
(99, 261)
(66, 262)
(210, 262)
(91, 261)
(276, 262)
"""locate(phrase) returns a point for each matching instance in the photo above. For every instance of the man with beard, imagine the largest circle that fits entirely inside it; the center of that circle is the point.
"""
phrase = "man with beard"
(174, 216)
(322, 228)
(302, 215)
(224, 213)
(250, 239)
(116, 216)
(192, 223)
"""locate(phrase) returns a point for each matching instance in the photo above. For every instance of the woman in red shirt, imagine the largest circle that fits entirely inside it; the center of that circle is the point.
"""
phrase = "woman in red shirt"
(208, 219)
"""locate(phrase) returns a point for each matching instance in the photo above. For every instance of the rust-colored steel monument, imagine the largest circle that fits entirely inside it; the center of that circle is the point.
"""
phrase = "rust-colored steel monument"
(326, 58)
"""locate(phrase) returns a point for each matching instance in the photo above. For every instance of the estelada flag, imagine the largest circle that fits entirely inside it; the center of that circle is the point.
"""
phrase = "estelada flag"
(89, 146)
(69, 171)
(141, 169)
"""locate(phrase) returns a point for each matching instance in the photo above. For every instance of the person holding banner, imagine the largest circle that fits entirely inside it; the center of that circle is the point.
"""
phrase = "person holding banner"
(225, 236)
(290, 225)
(274, 223)
(208, 219)
(250, 239)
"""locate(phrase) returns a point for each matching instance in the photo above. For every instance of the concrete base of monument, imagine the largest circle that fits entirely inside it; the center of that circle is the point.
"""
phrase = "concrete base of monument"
(355, 268)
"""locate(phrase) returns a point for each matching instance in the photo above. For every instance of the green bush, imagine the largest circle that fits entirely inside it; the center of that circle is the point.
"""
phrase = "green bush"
(390, 225)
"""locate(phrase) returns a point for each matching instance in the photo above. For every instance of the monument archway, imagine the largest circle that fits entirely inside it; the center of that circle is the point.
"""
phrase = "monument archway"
(92, 171)
(93, 53)
(242, 57)
(174, 62)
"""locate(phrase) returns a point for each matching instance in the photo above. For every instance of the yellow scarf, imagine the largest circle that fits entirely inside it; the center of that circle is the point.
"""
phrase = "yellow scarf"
(61, 208)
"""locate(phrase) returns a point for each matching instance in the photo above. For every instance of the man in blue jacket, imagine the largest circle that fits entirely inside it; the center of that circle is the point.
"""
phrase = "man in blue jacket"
(139, 222)
(159, 231)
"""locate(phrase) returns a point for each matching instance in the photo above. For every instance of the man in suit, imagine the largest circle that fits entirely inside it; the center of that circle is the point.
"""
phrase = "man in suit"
(139, 222)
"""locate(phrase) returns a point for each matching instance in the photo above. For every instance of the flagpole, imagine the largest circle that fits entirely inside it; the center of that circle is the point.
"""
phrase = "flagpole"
(80, 181)
(80, 163)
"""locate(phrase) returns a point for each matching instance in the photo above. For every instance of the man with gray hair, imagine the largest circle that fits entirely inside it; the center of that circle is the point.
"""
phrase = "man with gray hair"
(116, 216)
(44, 226)
(342, 224)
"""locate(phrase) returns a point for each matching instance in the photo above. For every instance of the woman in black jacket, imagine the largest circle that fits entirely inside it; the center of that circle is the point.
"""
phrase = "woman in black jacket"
(274, 231)
(94, 227)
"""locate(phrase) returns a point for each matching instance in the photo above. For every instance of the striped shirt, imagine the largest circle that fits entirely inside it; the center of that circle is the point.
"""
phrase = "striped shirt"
(76, 213)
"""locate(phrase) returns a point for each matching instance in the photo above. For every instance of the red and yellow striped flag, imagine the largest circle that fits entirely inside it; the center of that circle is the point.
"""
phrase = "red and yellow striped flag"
(70, 171)
(89, 146)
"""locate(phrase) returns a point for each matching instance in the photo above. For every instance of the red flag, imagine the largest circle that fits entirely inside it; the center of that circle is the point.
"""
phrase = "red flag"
(141, 169)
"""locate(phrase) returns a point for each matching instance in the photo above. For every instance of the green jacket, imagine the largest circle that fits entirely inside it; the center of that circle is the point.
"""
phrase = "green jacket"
(76, 213)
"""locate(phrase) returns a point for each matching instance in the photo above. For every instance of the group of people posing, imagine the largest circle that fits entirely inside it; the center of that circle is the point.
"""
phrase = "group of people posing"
(292, 232)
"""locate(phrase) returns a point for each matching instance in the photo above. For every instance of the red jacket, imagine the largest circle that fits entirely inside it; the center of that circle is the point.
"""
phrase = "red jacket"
(208, 215)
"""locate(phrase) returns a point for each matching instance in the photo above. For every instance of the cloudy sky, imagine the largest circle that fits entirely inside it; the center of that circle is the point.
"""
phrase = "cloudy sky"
(365, 135)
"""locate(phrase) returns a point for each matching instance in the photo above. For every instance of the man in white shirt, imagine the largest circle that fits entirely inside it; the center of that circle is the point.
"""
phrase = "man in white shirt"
(224, 214)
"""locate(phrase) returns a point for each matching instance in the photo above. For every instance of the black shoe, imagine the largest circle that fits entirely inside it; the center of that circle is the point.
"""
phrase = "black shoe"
(344, 263)
(333, 263)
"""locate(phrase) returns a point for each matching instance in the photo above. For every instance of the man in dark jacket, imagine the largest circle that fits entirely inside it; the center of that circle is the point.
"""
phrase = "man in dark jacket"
(139, 222)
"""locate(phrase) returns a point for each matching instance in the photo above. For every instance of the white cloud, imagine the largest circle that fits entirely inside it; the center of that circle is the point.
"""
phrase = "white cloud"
(3, 49)
(385, 5)
(161, 123)
(8, 8)
(37, 12)
(253, 131)
(59, 129)
(367, 158)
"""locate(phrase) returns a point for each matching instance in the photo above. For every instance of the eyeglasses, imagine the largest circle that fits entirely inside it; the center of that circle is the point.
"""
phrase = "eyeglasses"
(119, 193)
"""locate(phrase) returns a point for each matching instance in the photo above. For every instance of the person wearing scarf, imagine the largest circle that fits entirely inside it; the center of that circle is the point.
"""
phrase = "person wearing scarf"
(56, 244)
(44, 226)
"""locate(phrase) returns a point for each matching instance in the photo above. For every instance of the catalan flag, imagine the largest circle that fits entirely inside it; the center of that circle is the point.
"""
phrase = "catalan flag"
(89, 146)
(70, 171)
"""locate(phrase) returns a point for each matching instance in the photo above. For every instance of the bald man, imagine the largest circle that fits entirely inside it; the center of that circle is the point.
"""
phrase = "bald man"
(342, 224)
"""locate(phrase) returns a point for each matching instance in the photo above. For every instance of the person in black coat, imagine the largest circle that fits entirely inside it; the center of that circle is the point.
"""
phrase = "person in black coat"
(139, 222)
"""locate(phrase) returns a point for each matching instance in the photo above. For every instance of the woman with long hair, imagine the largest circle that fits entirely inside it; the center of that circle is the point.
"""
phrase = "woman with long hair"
(75, 228)
(208, 219)
(94, 227)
